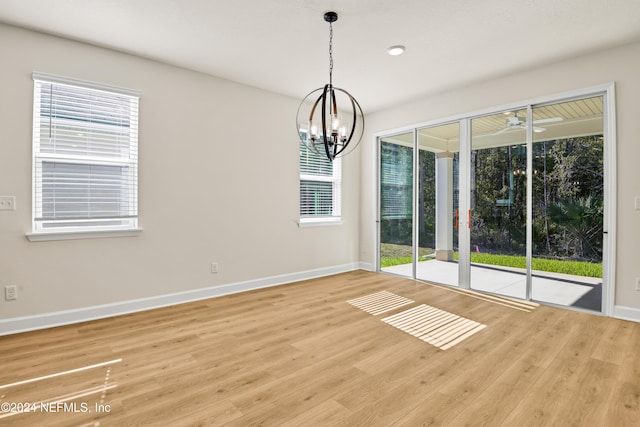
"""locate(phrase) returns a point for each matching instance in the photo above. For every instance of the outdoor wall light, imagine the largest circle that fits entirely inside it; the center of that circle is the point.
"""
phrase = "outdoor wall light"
(320, 124)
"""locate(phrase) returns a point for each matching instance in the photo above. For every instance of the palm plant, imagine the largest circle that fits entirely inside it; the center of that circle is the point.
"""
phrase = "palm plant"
(581, 219)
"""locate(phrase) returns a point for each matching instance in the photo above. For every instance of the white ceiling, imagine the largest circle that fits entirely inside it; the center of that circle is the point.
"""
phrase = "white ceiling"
(282, 45)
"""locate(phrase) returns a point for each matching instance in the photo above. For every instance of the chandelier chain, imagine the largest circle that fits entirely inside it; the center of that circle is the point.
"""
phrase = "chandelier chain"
(330, 54)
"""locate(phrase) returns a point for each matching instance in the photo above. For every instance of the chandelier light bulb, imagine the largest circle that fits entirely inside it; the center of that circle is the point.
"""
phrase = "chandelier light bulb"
(342, 133)
(335, 123)
(313, 131)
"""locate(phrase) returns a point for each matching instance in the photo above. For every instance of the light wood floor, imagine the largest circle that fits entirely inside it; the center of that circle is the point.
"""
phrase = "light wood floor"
(300, 355)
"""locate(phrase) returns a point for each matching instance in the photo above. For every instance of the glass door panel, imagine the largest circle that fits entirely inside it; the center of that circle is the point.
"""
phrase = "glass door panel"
(438, 190)
(568, 199)
(498, 201)
(396, 205)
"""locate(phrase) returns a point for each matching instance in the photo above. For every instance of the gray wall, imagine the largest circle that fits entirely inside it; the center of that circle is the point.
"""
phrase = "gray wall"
(218, 181)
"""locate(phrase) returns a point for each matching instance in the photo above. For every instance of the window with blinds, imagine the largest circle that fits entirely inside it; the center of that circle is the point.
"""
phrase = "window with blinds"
(85, 156)
(320, 186)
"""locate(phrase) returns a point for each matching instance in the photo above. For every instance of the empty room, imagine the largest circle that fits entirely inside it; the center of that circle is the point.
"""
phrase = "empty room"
(448, 236)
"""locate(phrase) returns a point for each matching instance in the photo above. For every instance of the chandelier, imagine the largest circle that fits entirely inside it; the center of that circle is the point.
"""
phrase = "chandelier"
(326, 126)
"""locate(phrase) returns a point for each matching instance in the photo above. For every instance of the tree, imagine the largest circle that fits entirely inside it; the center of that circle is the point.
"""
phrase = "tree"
(581, 218)
(427, 200)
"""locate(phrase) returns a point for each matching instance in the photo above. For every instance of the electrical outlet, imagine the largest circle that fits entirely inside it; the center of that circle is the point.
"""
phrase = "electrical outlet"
(10, 293)
(214, 267)
(7, 203)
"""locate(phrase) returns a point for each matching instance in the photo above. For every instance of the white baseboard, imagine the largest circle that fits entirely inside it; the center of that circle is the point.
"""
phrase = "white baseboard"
(626, 313)
(60, 318)
(366, 266)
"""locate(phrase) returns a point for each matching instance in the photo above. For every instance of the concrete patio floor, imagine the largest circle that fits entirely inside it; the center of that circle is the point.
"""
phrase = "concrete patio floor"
(555, 288)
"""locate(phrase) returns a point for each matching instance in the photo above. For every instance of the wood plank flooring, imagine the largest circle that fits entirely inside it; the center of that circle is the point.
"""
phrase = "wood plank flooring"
(301, 355)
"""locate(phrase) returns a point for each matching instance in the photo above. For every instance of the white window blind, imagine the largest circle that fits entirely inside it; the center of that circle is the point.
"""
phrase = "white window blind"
(85, 156)
(320, 186)
(396, 181)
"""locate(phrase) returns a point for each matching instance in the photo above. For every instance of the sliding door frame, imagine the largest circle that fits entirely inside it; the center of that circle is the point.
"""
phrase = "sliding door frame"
(607, 91)
(464, 202)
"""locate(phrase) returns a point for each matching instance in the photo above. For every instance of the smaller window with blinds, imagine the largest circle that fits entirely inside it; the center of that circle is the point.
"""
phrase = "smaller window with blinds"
(320, 187)
(85, 156)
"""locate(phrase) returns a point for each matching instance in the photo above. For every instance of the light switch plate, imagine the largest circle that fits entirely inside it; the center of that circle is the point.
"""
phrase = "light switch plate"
(7, 203)
(10, 293)
(637, 203)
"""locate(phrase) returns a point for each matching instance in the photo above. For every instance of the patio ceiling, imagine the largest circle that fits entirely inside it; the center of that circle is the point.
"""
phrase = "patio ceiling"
(578, 118)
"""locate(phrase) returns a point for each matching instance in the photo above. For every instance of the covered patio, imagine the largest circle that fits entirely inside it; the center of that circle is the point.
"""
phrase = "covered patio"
(555, 288)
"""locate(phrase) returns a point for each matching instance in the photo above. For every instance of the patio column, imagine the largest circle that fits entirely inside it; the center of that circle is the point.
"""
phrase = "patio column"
(444, 206)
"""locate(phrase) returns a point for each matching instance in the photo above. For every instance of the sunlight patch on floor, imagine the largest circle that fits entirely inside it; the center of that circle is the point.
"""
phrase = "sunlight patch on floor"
(380, 302)
(434, 326)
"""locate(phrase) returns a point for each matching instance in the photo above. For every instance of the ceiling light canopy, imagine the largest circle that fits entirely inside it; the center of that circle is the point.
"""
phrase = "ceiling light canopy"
(329, 119)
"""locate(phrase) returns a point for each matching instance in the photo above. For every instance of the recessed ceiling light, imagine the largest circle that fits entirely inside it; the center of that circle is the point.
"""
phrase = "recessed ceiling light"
(395, 50)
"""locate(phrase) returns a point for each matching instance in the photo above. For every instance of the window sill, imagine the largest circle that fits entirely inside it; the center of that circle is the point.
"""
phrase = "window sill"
(324, 222)
(75, 235)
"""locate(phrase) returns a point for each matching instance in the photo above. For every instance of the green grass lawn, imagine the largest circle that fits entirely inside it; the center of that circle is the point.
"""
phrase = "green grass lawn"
(397, 254)
(577, 268)
(391, 254)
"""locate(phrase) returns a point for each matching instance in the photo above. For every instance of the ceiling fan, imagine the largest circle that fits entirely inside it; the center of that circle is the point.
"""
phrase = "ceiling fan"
(514, 122)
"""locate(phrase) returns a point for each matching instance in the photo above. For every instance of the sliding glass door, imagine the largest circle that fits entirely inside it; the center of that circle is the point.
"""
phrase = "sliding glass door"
(437, 209)
(568, 203)
(498, 203)
(396, 243)
(512, 203)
